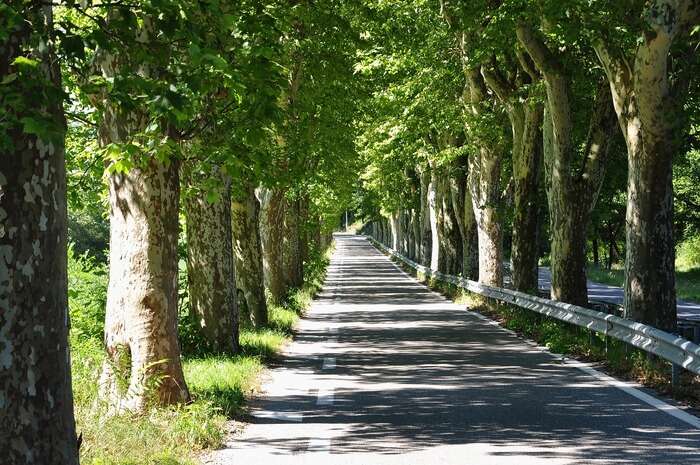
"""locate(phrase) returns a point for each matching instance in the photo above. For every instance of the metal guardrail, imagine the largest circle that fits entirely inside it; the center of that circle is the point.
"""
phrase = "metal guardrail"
(675, 349)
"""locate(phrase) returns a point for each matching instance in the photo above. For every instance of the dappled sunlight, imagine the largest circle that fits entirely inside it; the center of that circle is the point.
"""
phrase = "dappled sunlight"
(416, 374)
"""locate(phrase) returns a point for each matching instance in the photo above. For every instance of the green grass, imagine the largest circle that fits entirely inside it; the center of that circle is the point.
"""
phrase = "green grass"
(218, 384)
(687, 280)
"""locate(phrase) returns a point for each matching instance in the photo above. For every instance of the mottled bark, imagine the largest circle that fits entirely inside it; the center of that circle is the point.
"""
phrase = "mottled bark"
(527, 159)
(395, 232)
(571, 191)
(415, 234)
(525, 116)
(247, 251)
(464, 217)
(142, 365)
(433, 222)
(36, 400)
(450, 237)
(210, 269)
(292, 257)
(425, 244)
(484, 184)
(273, 204)
(647, 103)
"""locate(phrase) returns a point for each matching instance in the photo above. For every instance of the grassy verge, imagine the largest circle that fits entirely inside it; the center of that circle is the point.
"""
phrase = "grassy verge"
(687, 280)
(219, 384)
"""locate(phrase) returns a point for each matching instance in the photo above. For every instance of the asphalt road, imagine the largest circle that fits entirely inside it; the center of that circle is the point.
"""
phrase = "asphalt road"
(384, 371)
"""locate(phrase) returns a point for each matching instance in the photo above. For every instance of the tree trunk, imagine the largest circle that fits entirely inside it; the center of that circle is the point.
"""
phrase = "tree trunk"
(143, 356)
(395, 232)
(647, 103)
(293, 262)
(527, 158)
(451, 238)
(247, 250)
(433, 222)
(571, 192)
(210, 269)
(464, 216)
(272, 229)
(484, 184)
(36, 399)
(425, 244)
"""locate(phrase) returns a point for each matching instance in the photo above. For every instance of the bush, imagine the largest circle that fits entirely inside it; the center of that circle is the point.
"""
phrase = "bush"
(87, 295)
(688, 254)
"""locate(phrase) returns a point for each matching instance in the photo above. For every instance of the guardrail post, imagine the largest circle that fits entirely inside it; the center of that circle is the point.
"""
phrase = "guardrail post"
(675, 375)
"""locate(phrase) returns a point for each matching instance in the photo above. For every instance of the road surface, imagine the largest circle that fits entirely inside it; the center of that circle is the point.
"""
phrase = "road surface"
(384, 371)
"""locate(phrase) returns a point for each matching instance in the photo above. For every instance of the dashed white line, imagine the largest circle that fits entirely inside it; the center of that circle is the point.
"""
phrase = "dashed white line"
(325, 397)
(328, 363)
(282, 416)
(322, 445)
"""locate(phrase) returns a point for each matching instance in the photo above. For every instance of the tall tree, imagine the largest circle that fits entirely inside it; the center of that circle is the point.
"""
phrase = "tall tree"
(649, 83)
(36, 399)
(210, 263)
(247, 248)
(573, 176)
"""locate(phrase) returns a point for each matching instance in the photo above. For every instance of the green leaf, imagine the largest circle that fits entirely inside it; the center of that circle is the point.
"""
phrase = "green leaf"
(24, 63)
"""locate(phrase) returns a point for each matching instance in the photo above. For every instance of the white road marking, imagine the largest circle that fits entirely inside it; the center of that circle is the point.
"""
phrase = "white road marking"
(320, 445)
(630, 389)
(283, 416)
(332, 340)
(325, 397)
(328, 363)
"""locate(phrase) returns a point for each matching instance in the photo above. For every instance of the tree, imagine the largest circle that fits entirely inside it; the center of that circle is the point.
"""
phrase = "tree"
(36, 399)
(573, 177)
(210, 263)
(649, 83)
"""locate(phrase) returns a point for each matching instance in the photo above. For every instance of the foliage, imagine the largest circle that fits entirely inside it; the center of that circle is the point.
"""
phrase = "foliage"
(87, 295)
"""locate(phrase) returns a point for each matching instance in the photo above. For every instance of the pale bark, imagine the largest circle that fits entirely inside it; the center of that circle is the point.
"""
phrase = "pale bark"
(525, 115)
(647, 104)
(571, 192)
(395, 232)
(210, 269)
(433, 222)
(36, 399)
(425, 243)
(464, 216)
(484, 184)
(273, 203)
(292, 257)
(142, 363)
(450, 237)
(247, 250)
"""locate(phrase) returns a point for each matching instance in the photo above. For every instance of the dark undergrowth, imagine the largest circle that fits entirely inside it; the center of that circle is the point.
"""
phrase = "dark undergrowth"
(219, 384)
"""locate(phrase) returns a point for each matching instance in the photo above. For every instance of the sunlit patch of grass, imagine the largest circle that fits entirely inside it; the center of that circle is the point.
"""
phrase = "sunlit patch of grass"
(223, 381)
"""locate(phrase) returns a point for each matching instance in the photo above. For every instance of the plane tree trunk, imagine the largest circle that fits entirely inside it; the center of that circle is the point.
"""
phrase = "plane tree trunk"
(571, 191)
(647, 104)
(273, 204)
(210, 268)
(247, 251)
(36, 399)
(484, 184)
(464, 217)
(525, 116)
